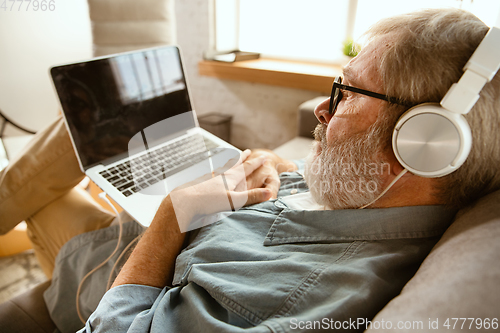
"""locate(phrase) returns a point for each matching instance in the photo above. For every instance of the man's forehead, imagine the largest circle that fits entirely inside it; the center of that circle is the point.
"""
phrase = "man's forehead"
(354, 76)
(348, 73)
(362, 70)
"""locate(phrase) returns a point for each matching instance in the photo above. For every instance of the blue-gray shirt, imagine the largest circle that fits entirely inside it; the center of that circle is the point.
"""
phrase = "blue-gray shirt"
(265, 268)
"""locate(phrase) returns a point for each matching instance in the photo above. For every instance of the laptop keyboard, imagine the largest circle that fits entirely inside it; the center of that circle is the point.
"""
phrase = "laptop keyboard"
(157, 164)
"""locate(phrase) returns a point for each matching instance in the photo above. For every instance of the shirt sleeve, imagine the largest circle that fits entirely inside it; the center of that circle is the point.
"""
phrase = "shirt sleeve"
(126, 308)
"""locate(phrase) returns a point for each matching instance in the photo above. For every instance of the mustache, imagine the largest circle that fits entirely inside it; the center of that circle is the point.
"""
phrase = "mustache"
(319, 132)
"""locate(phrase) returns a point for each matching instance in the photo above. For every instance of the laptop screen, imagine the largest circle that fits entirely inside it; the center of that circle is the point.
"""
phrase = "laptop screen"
(107, 101)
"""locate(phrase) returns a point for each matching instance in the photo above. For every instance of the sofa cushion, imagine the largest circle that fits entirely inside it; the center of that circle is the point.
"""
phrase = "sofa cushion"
(459, 278)
(27, 313)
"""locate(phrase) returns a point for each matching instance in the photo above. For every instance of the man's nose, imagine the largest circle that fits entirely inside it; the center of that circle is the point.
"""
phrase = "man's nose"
(321, 111)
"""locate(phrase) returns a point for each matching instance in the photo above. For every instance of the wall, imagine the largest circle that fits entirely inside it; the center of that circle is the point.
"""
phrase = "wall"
(30, 42)
(263, 115)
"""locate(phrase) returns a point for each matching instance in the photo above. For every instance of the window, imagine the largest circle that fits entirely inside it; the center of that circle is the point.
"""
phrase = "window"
(314, 30)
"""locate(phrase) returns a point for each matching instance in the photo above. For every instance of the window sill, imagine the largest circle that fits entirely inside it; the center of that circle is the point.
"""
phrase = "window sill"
(292, 74)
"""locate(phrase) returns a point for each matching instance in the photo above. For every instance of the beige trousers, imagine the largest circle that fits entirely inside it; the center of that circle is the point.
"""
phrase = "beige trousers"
(38, 186)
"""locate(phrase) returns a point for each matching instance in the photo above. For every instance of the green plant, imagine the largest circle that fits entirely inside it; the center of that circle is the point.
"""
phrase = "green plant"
(350, 48)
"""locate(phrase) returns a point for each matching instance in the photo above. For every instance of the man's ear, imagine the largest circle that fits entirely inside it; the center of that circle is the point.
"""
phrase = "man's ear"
(396, 168)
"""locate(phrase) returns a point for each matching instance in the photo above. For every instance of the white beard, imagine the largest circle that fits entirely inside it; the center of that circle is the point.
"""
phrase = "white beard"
(347, 174)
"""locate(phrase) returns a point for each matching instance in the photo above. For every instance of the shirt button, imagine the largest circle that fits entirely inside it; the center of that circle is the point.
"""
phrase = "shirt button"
(293, 191)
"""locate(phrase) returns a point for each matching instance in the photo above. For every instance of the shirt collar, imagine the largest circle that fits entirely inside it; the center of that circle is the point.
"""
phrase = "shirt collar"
(292, 226)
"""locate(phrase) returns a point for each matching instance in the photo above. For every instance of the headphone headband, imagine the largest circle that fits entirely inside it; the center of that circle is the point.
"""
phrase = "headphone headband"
(480, 69)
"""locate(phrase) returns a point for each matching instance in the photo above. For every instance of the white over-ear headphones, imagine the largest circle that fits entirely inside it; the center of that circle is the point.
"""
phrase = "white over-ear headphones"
(432, 140)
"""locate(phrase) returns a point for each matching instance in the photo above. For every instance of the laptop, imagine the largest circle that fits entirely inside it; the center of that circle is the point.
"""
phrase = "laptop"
(133, 127)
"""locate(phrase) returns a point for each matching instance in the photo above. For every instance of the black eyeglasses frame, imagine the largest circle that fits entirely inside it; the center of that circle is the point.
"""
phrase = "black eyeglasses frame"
(338, 86)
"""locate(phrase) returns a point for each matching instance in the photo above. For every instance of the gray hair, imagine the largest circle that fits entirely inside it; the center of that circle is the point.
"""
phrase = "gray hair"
(423, 54)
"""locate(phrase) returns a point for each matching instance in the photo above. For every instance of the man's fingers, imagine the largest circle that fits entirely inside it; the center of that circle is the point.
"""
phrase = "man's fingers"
(253, 164)
(245, 154)
(264, 177)
(234, 162)
(240, 159)
(273, 184)
(258, 195)
(251, 197)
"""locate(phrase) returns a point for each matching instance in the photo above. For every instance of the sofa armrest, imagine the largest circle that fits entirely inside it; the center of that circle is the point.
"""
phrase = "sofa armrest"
(306, 119)
(295, 149)
(299, 147)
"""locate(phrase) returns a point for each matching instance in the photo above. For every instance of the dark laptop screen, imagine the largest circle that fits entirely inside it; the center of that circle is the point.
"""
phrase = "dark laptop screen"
(107, 101)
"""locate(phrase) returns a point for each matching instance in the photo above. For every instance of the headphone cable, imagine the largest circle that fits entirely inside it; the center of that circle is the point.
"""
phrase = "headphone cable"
(103, 197)
(401, 174)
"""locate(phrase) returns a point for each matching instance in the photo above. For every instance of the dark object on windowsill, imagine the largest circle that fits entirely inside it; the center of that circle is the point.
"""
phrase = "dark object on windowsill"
(231, 56)
(218, 124)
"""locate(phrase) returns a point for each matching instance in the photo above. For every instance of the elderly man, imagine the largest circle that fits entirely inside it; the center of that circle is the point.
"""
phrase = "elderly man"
(300, 252)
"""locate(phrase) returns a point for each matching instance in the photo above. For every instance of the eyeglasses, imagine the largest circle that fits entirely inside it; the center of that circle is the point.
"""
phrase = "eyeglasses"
(337, 95)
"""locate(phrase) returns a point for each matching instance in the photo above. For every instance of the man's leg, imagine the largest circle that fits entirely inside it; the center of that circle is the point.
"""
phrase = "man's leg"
(46, 169)
(76, 212)
(38, 186)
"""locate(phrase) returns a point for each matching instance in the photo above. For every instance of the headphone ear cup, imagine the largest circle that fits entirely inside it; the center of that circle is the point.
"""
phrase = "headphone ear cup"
(430, 141)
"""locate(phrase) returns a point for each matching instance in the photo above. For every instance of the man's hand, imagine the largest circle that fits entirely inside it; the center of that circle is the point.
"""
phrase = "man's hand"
(223, 191)
(267, 175)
